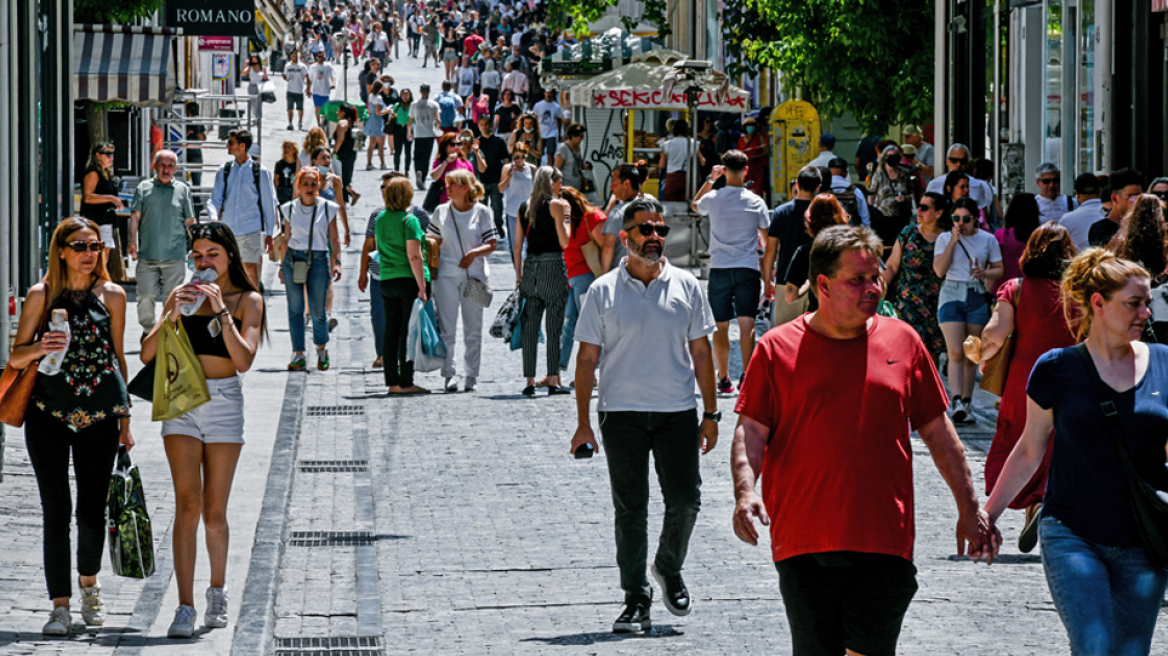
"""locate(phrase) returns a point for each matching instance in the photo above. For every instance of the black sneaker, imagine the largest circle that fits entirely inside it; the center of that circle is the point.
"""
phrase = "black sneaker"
(529, 391)
(725, 386)
(634, 618)
(556, 389)
(673, 592)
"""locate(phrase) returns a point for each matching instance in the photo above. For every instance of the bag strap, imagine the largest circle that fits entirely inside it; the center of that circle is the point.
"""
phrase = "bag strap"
(967, 255)
(1110, 414)
(255, 172)
(458, 233)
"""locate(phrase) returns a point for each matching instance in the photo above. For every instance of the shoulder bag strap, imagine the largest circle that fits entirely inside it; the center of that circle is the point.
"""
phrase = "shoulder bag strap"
(312, 226)
(972, 261)
(458, 233)
(255, 172)
(226, 177)
(1110, 413)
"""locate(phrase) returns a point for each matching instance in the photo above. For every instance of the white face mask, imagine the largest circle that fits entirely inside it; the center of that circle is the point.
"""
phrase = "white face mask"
(529, 129)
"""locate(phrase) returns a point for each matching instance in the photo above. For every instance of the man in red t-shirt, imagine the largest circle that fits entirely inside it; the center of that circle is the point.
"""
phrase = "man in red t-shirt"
(824, 415)
(470, 45)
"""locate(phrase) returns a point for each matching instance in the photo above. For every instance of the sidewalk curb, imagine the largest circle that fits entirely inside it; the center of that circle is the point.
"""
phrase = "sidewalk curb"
(255, 627)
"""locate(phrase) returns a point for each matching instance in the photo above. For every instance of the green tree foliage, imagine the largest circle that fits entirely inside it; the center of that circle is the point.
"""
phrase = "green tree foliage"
(872, 59)
(577, 15)
(113, 11)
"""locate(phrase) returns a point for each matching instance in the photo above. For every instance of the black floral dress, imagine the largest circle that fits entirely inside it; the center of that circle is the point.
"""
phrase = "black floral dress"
(918, 289)
(89, 388)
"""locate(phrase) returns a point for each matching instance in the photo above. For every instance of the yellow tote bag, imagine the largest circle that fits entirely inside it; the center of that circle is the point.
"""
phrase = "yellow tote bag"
(179, 384)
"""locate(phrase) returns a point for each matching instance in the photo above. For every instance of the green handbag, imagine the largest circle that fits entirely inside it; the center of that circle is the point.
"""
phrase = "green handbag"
(131, 540)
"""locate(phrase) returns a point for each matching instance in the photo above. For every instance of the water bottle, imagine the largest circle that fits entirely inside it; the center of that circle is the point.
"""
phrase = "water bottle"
(205, 275)
(51, 363)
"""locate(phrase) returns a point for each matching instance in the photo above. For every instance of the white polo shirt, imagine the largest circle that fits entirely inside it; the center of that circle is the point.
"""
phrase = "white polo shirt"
(644, 335)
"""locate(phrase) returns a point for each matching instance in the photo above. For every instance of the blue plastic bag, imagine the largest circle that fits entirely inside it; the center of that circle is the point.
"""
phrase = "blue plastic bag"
(432, 344)
(420, 315)
(517, 332)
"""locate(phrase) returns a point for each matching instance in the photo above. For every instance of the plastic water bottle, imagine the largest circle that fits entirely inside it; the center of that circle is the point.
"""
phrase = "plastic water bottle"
(206, 275)
(51, 363)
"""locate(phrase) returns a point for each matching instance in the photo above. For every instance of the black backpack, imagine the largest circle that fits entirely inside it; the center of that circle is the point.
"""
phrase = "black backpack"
(851, 204)
(255, 171)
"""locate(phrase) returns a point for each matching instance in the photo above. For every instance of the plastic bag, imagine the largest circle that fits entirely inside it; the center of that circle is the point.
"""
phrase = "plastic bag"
(179, 385)
(421, 335)
(507, 318)
(516, 332)
(131, 540)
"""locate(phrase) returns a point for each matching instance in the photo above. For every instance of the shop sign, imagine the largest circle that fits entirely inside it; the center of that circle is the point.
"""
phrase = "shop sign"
(217, 43)
(644, 99)
(213, 17)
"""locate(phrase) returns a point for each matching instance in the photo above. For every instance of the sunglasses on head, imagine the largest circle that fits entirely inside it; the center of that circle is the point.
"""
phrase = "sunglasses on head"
(649, 228)
(80, 246)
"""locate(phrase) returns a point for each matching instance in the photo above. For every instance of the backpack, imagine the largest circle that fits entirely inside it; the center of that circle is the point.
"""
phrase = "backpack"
(851, 204)
(448, 110)
(255, 171)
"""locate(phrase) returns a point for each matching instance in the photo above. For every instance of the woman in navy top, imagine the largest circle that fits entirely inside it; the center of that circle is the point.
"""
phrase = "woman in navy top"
(1107, 592)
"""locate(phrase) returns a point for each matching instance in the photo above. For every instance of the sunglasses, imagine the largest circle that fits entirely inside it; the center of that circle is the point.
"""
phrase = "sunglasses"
(924, 208)
(963, 219)
(1162, 195)
(80, 246)
(958, 160)
(106, 152)
(1048, 181)
(649, 228)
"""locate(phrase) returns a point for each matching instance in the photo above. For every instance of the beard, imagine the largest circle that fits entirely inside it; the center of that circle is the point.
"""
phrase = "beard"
(650, 252)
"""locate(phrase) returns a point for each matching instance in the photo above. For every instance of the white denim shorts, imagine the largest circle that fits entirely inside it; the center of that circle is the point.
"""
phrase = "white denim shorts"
(219, 421)
(251, 247)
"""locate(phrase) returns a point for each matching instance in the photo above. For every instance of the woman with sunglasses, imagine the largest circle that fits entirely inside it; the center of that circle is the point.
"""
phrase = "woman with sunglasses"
(515, 183)
(968, 258)
(919, 286)
(256, 74)
(203, 445)
(100, 202)
(527, 133)
(83, 409)
(544, 224)
(450, 158)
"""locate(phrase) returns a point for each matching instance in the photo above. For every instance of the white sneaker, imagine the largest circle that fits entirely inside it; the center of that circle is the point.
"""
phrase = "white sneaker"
(216, 617)
(183, 625)
(959, 411)
(92, 608)
(451, 386)
(59, 624)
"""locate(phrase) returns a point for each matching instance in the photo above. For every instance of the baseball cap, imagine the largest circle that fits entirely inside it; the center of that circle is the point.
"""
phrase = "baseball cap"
(827, 140)
(911, 129)
(1087, 184)
(838, 163)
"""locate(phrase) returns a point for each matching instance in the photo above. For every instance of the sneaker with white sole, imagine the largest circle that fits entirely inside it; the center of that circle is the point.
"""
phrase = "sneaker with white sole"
(470, 384)
(60, 622)
(959, 411)
(183, 625)
(451, 386)
(216, 613)
(92, 607)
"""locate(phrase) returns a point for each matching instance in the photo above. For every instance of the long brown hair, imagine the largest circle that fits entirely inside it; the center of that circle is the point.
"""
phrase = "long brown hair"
(580, 205)
(1048, 251)
(58, 275)
(1142, 237)
(824, 212)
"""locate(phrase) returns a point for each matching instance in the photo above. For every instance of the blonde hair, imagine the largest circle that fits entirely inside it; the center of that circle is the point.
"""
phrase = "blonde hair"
(290, 144)
(315, 138)
(464, 177)
(1094, 271)
(58, 274)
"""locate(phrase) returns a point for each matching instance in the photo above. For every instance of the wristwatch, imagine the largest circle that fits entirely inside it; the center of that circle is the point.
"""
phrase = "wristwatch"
(713, 416)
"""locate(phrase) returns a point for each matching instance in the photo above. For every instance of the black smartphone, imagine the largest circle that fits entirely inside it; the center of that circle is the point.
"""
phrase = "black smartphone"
(583, 451)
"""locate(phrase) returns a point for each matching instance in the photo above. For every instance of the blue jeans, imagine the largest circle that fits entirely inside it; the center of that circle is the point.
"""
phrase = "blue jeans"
(318, 284)
(580, 285)
(377, 314)
(1107, 597)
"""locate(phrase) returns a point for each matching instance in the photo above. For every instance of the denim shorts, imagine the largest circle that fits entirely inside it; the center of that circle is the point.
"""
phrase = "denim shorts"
(218, 421)
(734, 293)
(975, 309)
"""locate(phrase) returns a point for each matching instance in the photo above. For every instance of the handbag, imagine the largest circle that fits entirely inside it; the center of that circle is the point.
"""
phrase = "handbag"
(179, 385)
(430, 204)
(268, 92)
(15, 390)
(507, 318)
(300, 267)
(142, 385)
(131, 540)
(1149, 506)
(476, 291)
(993, 379)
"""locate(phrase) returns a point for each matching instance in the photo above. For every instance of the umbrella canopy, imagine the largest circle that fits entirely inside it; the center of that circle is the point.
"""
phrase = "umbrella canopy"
(602, 53)
(641, 85)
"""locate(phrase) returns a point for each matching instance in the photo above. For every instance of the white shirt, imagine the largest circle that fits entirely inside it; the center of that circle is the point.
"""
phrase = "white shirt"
(982, 247)
(322, 76)
(305, 217)
(297, 74)
(822, 160)
(1053, 210)
(549, 115)
(736, 215)
(518, 190)
(676, 156)
(1078, 222)
(379, 41)
(979, 190)
(644, 334)
(236, 204)
(475, 227)
(424, 112)
(467, 76)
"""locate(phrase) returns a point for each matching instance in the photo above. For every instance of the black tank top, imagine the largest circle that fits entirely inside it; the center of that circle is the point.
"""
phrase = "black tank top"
(201, 340)
(101, 213)
(541, 236)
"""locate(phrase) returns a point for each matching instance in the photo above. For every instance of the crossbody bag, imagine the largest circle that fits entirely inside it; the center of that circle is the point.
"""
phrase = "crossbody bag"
(476, 291)
(300, 267)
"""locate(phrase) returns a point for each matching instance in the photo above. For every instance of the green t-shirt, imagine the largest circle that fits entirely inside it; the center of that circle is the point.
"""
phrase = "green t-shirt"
(394, 229)
(162, 231)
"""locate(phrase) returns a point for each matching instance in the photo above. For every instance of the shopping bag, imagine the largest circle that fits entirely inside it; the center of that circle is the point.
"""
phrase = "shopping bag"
(415, 340)
(179, 385)
(516, 333)
(131, 540)
(268, 92)
(506, 319)
(432, 344)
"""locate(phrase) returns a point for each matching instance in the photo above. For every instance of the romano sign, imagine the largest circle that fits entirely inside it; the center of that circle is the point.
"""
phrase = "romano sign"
(213, 17)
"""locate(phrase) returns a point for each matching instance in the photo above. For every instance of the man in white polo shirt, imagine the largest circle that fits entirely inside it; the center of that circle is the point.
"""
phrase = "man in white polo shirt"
(956, 160)
(651, 322)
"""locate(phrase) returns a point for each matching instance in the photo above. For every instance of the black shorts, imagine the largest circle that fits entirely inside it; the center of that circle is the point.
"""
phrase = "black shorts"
(846, 600)
(734, 293)
(295, 101)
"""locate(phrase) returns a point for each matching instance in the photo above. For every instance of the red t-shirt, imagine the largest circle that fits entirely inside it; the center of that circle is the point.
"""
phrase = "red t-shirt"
(470, 45)
(837, 471)
(573, 256)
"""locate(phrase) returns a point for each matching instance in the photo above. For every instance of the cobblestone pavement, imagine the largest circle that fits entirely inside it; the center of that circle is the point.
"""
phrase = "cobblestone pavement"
(459, 524)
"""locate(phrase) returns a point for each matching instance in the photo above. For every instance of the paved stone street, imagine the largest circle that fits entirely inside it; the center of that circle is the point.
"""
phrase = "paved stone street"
(459, 523)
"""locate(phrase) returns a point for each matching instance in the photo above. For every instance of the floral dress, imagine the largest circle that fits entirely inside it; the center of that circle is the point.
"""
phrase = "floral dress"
(918, 289)
(89, 388)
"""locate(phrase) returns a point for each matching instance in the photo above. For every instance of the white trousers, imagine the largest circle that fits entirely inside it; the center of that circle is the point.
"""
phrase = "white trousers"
(448, 297)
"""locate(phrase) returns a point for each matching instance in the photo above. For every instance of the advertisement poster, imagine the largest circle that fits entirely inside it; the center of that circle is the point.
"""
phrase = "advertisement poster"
(221, 65)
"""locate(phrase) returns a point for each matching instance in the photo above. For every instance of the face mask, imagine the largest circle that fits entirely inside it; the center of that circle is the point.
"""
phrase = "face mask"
(529, 129)
(750, 129)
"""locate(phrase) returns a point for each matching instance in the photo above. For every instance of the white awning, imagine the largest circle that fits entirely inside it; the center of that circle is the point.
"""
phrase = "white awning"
(641, 85)
(122, 63)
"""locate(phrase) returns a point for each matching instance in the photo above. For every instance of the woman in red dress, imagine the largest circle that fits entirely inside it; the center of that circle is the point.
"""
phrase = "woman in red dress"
(753, 142)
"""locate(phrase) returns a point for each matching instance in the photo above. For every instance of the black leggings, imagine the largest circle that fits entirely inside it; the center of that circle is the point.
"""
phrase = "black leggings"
(400, 145)
(399, 295)
(49, 442)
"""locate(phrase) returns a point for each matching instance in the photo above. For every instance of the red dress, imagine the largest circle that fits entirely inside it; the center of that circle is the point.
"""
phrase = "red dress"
(756, 171)
(1039, 326)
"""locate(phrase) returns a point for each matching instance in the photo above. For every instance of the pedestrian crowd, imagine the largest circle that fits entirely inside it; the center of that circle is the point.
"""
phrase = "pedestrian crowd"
(887, 283)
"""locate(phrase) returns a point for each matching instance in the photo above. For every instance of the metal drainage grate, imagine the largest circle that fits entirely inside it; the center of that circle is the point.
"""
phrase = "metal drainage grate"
(345, 646)
(331, 539)
(323, 466)
(334, 410)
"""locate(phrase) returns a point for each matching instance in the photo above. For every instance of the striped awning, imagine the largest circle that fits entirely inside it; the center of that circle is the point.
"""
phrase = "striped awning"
(122, 63)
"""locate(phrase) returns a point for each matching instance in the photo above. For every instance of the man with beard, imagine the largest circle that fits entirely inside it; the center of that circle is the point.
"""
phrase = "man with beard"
(648, 325)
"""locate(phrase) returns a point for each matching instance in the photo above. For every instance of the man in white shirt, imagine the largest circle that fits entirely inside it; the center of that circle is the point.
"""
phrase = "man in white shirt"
(422, 128)
(956, 159)
(1052, 205)
(244, 198)
(296, 74)
(1078, 222)
(738, 223)
(324, 80)
(551, 118)
(826, 143)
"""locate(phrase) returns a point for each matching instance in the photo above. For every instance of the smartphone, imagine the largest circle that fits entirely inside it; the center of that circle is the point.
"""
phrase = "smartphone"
(583, 451)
